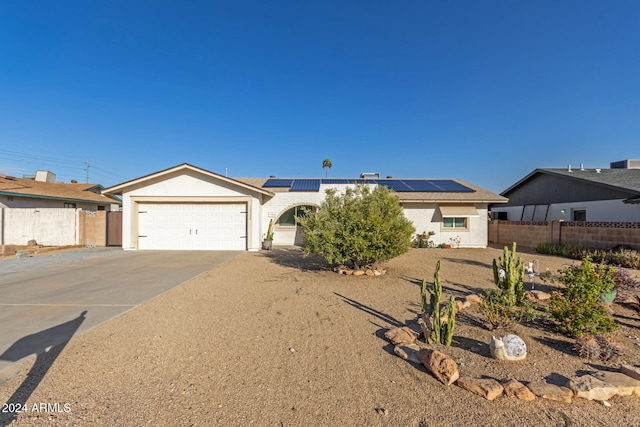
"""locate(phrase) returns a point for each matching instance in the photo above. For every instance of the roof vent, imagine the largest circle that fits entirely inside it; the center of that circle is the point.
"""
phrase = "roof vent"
(370, 175)
(45, 176)
(569, 168)
(272, 176)
(581, 166)
(74, 181)
(389, 177)
(626, 164)
(598, 170)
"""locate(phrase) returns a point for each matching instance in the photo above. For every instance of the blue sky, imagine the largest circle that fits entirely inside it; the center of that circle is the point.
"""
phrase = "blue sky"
(485, 91)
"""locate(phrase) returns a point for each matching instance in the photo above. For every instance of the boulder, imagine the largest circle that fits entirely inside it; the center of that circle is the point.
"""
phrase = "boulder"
(485, 387)
(627, 386)
(369, 272)
(401, 335)
(591, 388)
(514, 388)
(631, 371)
(358, 273)
(408, 352)
(536, 295)
(551, 391)
(444, 368)
(473, 299)
(508, 347)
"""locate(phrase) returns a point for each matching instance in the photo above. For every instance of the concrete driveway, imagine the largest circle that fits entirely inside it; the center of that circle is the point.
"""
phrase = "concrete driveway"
(46, 299)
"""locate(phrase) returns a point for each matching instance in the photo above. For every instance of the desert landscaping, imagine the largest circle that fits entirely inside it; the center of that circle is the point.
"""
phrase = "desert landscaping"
(275, 339)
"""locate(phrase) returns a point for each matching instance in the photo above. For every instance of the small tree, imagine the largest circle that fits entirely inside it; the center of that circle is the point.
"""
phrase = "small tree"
(360, 227)
(326, 164)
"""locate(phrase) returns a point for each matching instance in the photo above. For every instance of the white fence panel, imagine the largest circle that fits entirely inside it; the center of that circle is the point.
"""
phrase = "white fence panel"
(47, 226)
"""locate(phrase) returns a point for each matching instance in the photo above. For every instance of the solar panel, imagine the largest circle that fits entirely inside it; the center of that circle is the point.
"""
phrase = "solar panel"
(305, 185)
(450, 186)
(274, 182)
(421, 185)
(395, 185)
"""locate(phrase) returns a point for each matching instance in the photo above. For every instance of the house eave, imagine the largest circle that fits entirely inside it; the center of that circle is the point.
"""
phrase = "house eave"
(64, 199)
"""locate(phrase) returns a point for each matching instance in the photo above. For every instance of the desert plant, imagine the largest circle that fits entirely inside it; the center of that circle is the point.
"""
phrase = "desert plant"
(498, 313)
(439, 323)
(577, 308)
(269, 235)
(360, 227)
(599, 347)
(508, 275)
(628, 258)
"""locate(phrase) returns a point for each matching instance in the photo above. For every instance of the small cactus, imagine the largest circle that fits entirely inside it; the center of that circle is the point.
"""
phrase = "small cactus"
(509, 277)
(440, 323)
(599, 347)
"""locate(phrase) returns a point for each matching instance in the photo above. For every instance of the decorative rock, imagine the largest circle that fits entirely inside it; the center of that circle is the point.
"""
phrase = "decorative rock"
(369, 272)
(408, 352)
(440, 365)
(551, 391)
(473, 299)
(461, 305)
(514, 388)
(32, 242)
(401, 335)
(632, 371)
(358, 273)
(485, 387)
(348, 272)
(626, 385)
(591, 388)
(536, 295)
(377, 272)
(509, 347)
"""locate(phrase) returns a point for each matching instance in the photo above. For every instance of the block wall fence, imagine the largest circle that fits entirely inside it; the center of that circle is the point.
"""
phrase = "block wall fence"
(601, 235)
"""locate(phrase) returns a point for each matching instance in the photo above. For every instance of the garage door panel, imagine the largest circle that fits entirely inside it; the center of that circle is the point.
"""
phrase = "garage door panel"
(192, 226)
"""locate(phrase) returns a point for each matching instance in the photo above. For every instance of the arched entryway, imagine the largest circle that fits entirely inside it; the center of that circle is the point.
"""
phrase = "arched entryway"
(287, 229)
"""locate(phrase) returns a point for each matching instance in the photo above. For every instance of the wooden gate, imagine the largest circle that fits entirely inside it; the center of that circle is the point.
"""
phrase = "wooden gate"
(114, 228)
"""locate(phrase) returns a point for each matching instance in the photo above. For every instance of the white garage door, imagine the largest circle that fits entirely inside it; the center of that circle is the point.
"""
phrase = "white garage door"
(192, 226)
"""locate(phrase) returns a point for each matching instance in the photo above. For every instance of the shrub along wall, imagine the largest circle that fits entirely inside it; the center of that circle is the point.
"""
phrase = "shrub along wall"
(601, 235)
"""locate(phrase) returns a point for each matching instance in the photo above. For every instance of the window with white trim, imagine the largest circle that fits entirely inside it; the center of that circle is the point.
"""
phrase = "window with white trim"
(454, 223)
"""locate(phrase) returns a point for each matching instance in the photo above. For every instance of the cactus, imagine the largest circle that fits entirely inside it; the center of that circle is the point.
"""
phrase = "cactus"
(509, 277)
(440, 323)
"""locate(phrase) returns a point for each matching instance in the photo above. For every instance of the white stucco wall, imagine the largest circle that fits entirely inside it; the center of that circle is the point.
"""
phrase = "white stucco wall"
(189, 187)
(47, 226)
(604, 210)
(426, 217)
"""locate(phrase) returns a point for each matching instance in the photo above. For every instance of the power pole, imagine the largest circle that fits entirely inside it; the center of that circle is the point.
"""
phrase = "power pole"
(87, 171)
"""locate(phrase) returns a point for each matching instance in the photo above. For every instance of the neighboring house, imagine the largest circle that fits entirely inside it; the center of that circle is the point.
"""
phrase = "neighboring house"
(186, 207)
(594, 195)
(45, 192)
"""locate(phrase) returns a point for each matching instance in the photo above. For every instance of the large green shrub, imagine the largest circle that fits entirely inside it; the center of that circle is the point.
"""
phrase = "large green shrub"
(360, 227)
(577, 308)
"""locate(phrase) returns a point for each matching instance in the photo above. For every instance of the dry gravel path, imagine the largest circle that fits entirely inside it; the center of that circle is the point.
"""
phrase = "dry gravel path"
(270, 339)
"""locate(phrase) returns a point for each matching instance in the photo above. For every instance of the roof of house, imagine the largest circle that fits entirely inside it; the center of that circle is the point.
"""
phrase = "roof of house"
(120, 188)
(407, 189)
(71, 192)
(616, 178)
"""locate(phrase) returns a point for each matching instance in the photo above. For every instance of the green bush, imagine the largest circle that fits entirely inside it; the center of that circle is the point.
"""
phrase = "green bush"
(360, 227)
(628, 258)
(577, 308)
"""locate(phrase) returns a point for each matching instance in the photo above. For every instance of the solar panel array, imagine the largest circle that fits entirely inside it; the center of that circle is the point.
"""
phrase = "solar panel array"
(399, 185)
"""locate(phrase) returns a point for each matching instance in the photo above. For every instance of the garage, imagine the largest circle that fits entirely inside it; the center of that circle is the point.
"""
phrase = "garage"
(192, 226)
(190, 208)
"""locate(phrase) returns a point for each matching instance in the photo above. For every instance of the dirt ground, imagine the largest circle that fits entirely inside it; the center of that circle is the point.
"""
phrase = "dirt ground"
(272, 339)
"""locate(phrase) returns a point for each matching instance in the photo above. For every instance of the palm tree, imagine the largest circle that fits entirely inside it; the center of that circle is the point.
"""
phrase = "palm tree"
(326, 164)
